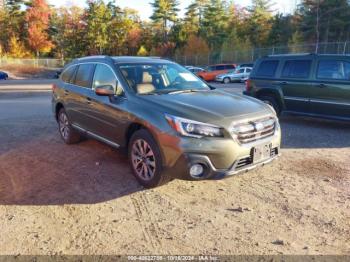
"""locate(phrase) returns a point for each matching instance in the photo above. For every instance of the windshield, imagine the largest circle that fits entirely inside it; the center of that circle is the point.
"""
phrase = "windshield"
(154, 78)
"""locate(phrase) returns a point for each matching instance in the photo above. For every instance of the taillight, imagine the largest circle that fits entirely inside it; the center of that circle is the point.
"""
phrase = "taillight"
(54, 88)
(248, 85)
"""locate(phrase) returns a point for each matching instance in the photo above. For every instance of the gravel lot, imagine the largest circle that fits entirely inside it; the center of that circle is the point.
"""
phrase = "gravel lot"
(83, 199)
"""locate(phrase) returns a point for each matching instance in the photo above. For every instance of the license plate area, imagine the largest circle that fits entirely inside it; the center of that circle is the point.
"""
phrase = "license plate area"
(261, 153)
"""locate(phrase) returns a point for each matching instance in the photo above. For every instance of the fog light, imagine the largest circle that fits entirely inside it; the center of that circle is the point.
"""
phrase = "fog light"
(196, 170)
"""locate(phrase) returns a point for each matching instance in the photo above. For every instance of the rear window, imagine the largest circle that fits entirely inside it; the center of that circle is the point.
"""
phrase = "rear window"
(267, 68)
(296, 69)
(67, 74)
(333, 69)
(84, 75)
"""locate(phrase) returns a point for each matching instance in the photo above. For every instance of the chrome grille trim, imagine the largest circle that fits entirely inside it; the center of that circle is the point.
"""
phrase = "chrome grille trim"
(263, 128)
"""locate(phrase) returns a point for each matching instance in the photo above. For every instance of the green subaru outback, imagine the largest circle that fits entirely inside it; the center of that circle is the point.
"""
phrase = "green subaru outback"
(171, 122)
(308, 84)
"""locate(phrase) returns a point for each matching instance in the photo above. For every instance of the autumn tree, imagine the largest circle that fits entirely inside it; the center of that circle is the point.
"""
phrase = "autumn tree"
(37, 18)
(17, 49)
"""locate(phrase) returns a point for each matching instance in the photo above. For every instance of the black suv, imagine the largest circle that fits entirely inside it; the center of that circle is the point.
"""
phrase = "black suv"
(308, 84)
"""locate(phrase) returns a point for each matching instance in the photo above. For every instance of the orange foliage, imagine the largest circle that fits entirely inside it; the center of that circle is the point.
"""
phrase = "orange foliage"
(196, 46)
(37, 18)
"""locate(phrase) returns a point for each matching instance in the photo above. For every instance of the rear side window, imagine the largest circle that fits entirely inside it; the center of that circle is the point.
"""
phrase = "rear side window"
(84, 74)
(220, 67)
(230, 67)
(296, 68)
(67, 74)
(333, 69)
(267, 68)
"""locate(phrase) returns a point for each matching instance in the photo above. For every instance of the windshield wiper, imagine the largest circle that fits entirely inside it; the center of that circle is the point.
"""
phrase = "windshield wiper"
(183, 91)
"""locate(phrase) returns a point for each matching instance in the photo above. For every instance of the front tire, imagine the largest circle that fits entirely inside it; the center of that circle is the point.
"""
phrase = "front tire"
(68, 133)
(226, 80)
(146, 160)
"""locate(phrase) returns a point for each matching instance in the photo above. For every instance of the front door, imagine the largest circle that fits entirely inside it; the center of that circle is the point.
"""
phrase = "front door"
(295, 84)
(106, 114)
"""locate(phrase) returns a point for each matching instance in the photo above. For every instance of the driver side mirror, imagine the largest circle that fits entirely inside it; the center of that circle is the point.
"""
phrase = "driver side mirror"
(106, 90)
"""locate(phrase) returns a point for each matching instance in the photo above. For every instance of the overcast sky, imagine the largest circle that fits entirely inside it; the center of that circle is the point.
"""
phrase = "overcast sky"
(145, 9)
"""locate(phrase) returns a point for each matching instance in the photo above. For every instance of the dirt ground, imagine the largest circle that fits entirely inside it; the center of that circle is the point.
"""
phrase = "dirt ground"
(83, 199)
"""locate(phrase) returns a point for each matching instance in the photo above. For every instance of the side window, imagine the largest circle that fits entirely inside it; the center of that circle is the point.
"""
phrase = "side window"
(296, 68)
(241, 71)
(104, 77)
(66, 76)
(267, 68)
(83, 76)
(229, 67)
(220, 67)
(333, 69)
(248, 70)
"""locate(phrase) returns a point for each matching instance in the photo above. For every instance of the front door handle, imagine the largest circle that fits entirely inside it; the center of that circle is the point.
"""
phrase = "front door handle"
(66, 92)
(283, 83)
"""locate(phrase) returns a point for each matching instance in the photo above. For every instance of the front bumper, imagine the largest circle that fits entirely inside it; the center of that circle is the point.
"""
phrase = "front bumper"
(220, 161)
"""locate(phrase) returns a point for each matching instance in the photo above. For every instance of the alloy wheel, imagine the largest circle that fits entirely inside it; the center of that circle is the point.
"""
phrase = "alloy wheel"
(64, 125)
(143, 160)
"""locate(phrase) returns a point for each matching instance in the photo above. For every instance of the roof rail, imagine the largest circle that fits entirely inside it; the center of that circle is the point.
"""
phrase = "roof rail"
(92, 57)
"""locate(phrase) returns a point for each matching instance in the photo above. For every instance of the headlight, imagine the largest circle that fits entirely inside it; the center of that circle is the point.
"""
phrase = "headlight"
(192, 128)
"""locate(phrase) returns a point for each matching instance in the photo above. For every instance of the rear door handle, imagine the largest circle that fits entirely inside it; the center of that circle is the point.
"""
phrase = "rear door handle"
(322, 85)
(283, 83)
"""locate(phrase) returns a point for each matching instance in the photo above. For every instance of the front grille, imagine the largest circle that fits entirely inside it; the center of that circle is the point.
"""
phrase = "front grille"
(244, 162)
(255, 130)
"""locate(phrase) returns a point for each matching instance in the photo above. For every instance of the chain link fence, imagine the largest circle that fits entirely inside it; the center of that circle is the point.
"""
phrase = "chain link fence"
(45, 63)
(249, 56)
(241, 56)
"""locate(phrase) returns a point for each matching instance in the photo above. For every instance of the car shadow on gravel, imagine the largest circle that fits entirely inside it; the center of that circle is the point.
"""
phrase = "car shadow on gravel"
(307, 132)
(45, 171)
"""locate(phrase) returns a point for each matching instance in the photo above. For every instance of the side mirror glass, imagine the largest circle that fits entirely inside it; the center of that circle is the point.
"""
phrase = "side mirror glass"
(106, 90)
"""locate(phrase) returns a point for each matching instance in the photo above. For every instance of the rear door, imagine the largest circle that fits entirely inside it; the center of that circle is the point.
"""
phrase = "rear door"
(331, 88)
(295, 82)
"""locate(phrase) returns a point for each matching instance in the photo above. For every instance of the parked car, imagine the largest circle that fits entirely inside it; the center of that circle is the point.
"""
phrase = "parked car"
(307, 84)
(173, 124)
(212, 71)
(239, 75)
(3, 76)
(195, 70)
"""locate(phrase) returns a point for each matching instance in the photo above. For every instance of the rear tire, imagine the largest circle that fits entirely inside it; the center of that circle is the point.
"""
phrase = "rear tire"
(146, 160)
(272, 102)
(68, 133)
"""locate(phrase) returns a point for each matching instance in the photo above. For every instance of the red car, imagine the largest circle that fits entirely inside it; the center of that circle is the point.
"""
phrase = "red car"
(214, 70)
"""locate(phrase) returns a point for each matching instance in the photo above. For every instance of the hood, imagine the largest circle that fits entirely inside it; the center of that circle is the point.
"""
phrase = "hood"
(209, 106)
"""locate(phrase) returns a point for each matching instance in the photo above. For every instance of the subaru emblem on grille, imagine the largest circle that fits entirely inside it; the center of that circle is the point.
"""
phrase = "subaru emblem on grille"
(259, 126)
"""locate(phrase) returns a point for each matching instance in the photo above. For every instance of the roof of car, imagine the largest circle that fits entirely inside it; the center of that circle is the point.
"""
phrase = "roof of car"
(122, 59)
(308, 54)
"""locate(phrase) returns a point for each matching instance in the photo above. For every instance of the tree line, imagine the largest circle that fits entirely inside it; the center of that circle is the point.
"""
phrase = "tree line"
(35, 29)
